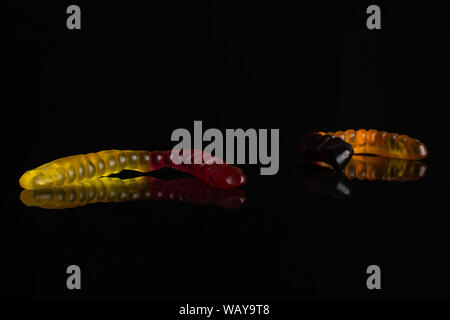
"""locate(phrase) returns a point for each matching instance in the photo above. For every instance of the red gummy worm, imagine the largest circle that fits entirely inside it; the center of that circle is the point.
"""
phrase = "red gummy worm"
(209, 169)
(105, 189)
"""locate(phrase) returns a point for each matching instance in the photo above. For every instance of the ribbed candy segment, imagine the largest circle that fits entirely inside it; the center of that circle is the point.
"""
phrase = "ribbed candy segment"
(94, 165)
(386, 169)
(107, 189)
(382, 143)
(201, 165)
(88, 191)
(85, 166)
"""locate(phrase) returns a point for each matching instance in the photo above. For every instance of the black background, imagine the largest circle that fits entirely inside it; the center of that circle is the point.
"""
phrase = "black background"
(135, 73)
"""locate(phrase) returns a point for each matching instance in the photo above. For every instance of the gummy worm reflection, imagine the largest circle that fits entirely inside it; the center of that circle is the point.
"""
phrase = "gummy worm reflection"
(322, 179)
(80, 167)
(142, 188)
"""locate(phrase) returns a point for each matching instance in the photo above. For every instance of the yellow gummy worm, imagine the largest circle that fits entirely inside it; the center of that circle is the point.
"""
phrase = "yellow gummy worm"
(382, 143)
(78, 167)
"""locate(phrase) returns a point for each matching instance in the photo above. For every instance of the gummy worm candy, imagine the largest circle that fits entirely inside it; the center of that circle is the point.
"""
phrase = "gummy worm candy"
(107, 189)
(320, 179)
(94, 165)
(382, 143)
(325, 148)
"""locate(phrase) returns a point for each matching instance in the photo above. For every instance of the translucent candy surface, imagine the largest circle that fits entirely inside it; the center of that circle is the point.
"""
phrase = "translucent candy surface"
(94, 165)
(84, 166)
(107, 189)
(325, 148)
(367, 167)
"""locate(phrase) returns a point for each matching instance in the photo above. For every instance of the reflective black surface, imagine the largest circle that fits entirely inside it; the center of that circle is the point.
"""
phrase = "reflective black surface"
(284, 242)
